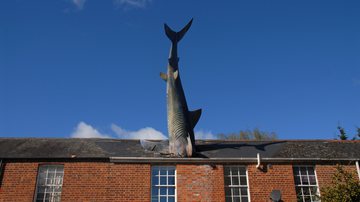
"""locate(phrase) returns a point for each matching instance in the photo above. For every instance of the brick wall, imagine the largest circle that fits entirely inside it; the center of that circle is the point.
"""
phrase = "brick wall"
(106, 182)
(100, 181)
(200, 183)
(82, 182)
(18, 183)
(278, 177)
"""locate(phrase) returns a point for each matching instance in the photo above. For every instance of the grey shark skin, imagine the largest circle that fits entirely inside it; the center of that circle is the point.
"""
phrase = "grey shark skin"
(181, 121)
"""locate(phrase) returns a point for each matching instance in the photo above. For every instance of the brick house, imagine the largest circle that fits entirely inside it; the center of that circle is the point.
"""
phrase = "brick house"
(37, 169)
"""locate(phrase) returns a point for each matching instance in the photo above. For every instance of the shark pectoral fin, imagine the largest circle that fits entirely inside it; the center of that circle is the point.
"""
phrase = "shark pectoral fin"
(194, 117)
(176, 74)
(163, 76)
(155, 146)
(189, 148)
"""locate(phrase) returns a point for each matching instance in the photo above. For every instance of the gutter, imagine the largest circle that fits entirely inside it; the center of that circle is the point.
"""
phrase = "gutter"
(358, 168)
(258, 161)
(218, 160)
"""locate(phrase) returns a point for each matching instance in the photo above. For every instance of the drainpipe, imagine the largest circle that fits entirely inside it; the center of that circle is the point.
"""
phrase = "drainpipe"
(258, 161)
(358, 168)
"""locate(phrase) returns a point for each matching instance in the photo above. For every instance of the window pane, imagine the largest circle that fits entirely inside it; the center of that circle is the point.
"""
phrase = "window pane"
(242, 170)
(305, 183)
(235, 179)
(226, 171)
(154, 172)
(155, 192)
(163, 185)
(41, 181)
(306, 191)
(244, 199)
(311, 171)
(163, 191)
(162, 172)
(303, 170)
(304, 180)
(171, 180)
(171, 172)
(227, 191)
(228, 199)
(296, 170)
(307, 198)
(297, 180)
(236, 191)
(312, 180)
(162, 180)
(171, 199)
(171, 191)
(155, 180)
(243, 181)
(227, 181)
(243, 191)
(49, 183)
(40, 196)
(313, 190)
(56, 197)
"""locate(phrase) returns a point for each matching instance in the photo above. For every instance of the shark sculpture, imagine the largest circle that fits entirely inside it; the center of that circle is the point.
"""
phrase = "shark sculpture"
(181, 121)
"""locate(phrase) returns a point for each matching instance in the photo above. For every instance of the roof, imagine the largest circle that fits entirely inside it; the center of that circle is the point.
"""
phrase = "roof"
(119, 150)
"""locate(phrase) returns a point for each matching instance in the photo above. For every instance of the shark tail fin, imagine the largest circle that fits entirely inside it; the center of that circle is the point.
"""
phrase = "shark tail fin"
(176, 36)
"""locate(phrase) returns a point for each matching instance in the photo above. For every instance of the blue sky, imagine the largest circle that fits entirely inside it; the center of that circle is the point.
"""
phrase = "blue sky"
(91, 68)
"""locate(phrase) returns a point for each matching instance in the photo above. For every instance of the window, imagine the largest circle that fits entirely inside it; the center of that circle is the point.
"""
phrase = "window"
(236, 184)
(305, 184)
(163, 184)
(49, 183)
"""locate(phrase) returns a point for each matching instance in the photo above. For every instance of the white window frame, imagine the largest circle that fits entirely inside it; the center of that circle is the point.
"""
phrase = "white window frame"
(237, 186)
(307, 174)
(167, 177)
(52, 184)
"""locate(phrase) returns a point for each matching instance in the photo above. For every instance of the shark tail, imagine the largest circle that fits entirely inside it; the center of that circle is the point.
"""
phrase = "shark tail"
(177, 36)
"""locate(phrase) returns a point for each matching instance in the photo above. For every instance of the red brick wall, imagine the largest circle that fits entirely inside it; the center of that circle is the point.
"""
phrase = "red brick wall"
(278, 177)
(19, 181)
(96, 181)
(82, 182)
(106, 181)
(200, 183)
(325, 173)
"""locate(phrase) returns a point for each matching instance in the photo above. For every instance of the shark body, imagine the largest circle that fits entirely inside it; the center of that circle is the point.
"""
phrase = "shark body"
(181, 121)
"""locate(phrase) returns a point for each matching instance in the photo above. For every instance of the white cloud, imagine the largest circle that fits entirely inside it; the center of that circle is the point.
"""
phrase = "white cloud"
(204, 135)
(79, 3)
(84, 130)
(143, 133)
(132, 3)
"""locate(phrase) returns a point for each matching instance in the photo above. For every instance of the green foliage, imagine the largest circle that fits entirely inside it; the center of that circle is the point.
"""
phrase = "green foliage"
(342, 135)
(345, 187)
(255, 134)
